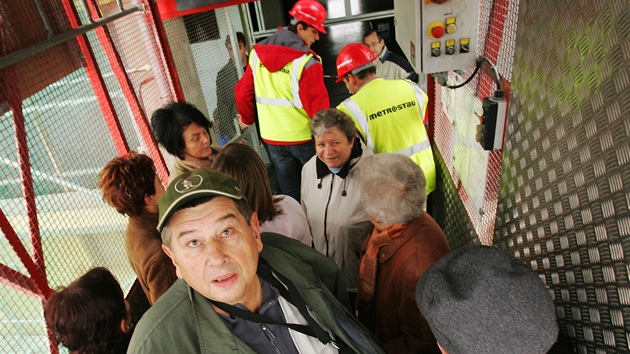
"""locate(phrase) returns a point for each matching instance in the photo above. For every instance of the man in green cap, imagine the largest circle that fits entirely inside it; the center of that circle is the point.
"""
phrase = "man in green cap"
(241, 291)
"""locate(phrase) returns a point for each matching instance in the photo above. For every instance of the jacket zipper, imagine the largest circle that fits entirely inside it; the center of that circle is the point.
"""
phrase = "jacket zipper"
(326, 213)
(271, 337)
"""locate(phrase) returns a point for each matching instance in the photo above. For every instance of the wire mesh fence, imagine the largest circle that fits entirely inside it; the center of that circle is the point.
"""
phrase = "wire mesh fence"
(55, 136)
(472, 171)
(210, 55)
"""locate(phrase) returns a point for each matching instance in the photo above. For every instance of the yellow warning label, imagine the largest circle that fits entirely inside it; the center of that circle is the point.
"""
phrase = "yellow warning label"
(435, 44)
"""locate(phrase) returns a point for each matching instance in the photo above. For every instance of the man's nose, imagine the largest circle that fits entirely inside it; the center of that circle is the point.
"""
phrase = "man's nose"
(214, 251)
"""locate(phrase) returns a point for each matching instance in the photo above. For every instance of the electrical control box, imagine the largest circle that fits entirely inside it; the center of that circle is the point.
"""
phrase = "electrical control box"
(438, 35)
(491, 131)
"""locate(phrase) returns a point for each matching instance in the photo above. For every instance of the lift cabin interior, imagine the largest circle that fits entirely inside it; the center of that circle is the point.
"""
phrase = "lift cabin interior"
(528, 120)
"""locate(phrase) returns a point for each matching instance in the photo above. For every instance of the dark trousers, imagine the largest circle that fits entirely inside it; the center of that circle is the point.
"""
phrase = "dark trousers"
(288, 161)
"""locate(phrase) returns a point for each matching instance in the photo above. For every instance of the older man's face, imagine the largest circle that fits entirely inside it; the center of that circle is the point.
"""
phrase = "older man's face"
(216, 252)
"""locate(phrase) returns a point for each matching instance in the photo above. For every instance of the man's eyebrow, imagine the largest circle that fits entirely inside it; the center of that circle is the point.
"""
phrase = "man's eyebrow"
(219, 220)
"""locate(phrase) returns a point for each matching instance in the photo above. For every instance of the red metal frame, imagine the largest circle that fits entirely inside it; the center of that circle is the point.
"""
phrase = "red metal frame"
(37, 284)
(431, 106)
(98, 83)
(160, 32)
(130, 96)
(168, 8)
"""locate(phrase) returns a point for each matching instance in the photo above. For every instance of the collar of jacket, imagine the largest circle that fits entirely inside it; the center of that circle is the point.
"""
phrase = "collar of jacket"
(144, 221)
(392, 246)
(384, 54)
(212, 333)
(323, 170)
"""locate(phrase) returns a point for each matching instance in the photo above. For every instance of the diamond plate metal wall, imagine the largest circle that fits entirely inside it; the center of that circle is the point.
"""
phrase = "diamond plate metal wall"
(448, 208)
(564, 202)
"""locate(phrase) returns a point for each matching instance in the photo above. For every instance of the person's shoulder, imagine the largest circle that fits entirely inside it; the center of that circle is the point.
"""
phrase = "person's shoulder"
(279, 242)
(310, 164)
(365, 152)
(398, 60)
(280, 249)
(173, 307)
(429, 235)
(179, 167)
(391, 56)
(227, 68)
(287, 202)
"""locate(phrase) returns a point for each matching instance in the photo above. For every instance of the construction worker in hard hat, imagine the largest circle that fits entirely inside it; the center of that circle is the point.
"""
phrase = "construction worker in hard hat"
(389, 114)
(283, 86)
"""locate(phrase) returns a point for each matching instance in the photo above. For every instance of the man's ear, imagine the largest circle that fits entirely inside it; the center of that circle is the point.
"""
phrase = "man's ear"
(254, 224)
(169, 253)
(351, 80)
(299, 28)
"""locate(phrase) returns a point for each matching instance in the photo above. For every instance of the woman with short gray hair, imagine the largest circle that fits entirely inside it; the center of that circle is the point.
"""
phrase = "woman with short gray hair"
(393, 190)
(331, 196)
(404, 242)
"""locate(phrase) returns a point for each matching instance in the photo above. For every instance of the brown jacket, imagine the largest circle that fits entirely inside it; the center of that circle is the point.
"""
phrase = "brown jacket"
(393, 314)
(155, 270)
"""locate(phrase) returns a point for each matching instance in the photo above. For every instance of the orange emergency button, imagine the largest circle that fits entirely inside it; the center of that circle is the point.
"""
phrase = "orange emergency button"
(436, 30)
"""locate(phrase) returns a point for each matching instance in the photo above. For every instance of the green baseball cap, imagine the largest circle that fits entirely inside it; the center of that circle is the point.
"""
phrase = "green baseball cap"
(192, 185)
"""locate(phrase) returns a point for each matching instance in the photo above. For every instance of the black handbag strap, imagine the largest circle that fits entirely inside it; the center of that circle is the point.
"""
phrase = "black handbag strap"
(291, 294)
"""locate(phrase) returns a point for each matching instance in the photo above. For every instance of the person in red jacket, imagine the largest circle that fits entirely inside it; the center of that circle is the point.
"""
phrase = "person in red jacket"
(283, 86)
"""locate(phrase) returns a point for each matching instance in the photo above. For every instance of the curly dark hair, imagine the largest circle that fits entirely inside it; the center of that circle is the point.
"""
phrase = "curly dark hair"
(86, 316)
(126, 180)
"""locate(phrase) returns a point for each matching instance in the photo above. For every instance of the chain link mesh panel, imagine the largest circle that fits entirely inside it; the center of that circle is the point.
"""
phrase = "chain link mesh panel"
(564, 205)
(208, 72)
(68, 141)
(204, 47)
(467, 170)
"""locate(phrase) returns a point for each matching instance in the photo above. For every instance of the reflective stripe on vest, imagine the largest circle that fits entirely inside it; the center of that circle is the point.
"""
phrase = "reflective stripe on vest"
(281, 114)
(356, 111)
(295, 85)
(361, 119)
(416, 148)
(421, 97)
(371, 115)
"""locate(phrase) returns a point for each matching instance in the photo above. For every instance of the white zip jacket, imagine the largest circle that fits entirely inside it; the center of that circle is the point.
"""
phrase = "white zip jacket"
(339, 223)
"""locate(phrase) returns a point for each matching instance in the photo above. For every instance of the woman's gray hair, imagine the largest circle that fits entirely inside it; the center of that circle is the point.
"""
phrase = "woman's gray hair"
(393, 188)
(332, 117)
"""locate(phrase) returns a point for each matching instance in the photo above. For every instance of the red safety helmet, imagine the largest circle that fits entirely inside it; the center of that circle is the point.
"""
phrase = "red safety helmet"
(353, 56)
(311, 12)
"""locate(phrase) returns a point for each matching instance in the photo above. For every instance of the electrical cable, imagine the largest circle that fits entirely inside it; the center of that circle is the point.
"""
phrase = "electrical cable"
(477, 67)
(499, 93)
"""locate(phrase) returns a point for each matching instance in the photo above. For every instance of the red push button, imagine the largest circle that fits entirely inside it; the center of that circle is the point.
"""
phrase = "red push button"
(437, 32)
(436, 29)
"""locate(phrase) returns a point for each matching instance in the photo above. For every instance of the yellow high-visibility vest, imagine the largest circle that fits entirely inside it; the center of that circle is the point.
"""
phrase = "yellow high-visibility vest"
(281, 115)
(389, 115)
